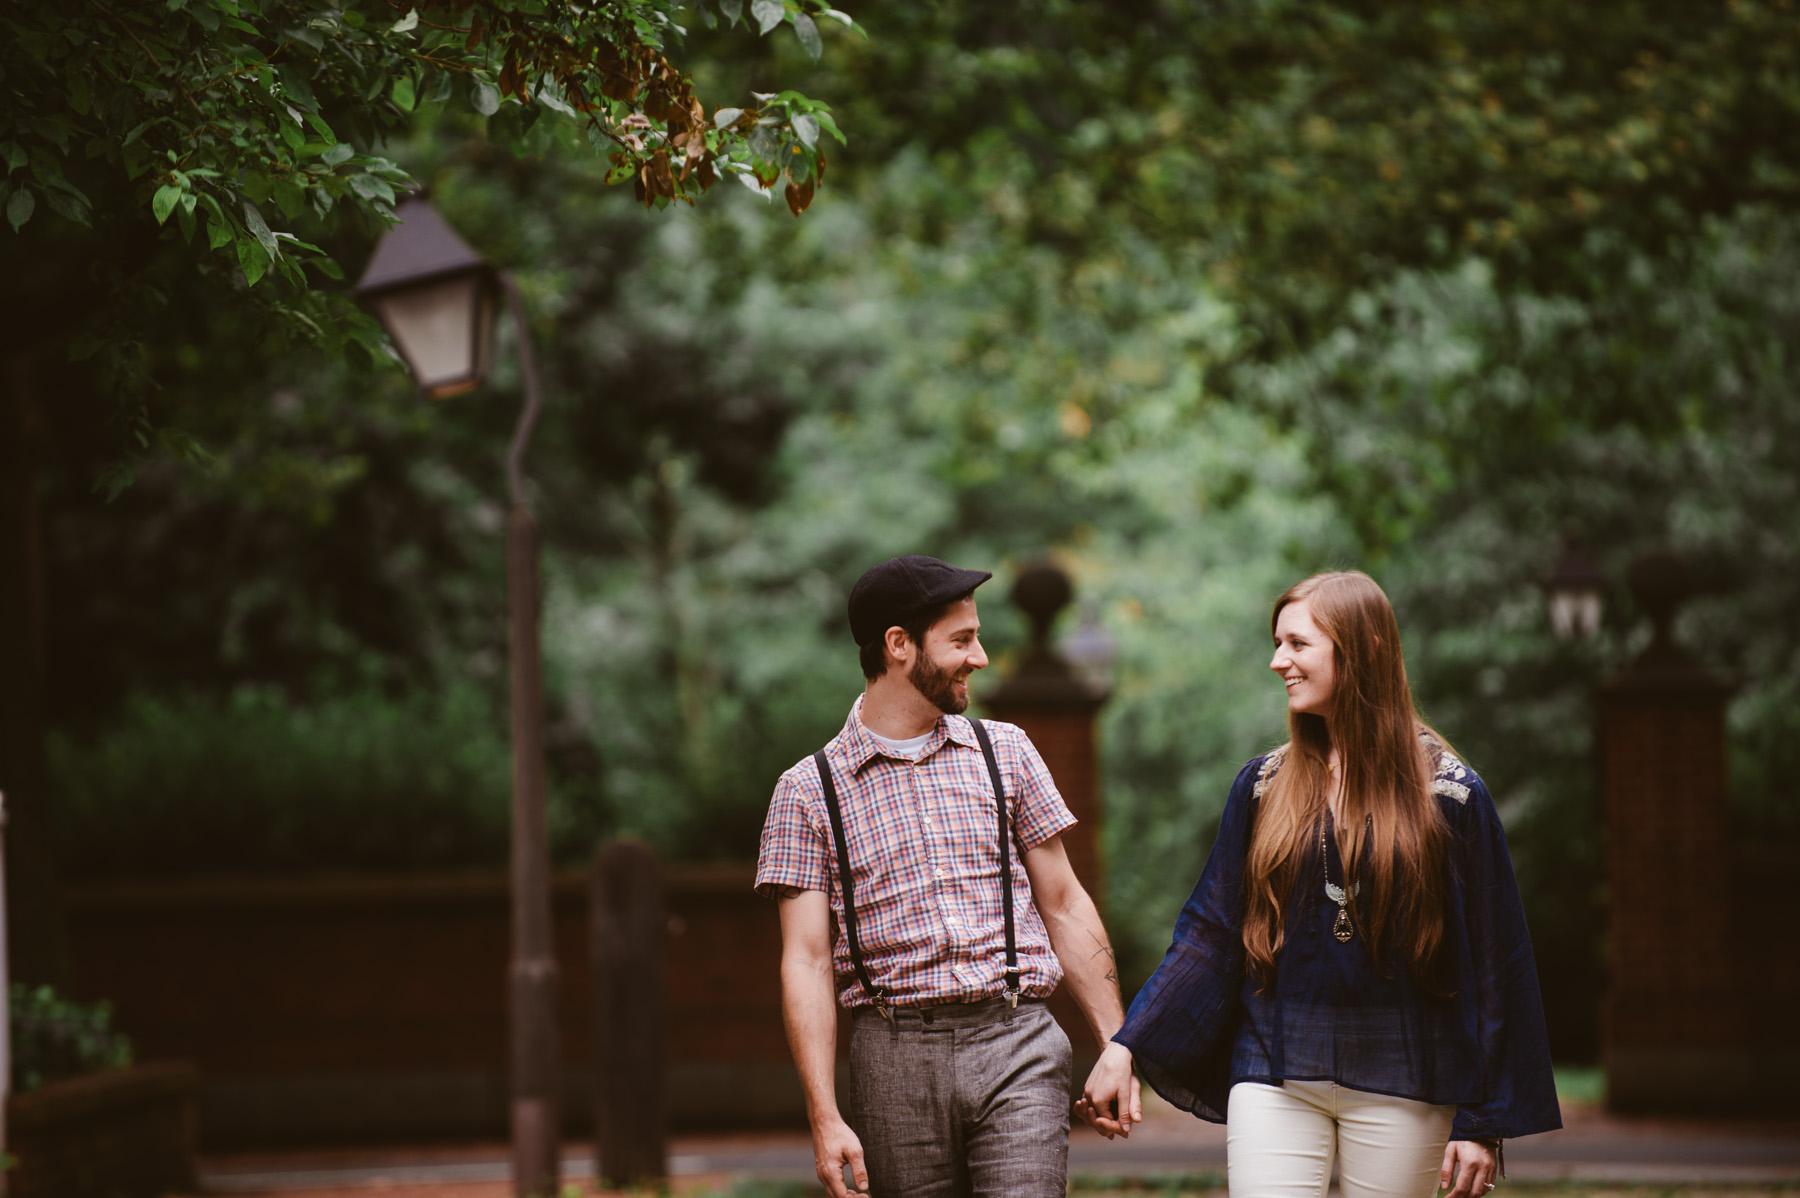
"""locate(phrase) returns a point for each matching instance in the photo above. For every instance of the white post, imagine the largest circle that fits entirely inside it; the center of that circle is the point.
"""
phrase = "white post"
(5, 1007)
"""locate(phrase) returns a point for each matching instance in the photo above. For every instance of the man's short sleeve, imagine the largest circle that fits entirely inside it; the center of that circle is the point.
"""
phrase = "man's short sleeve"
(794, 851)
(1040, 812)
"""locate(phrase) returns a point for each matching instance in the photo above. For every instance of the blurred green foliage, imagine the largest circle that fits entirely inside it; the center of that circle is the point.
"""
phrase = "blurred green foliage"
(55, 1038)
(1201, 298)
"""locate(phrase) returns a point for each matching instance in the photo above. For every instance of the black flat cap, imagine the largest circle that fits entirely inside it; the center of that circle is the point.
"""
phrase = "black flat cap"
(903, 587)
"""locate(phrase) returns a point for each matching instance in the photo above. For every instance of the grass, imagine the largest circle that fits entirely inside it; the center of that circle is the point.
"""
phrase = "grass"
(1584, 1085)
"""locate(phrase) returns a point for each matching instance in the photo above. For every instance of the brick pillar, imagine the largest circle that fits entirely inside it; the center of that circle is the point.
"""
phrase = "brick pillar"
(1056, 707)
(1674, 1032)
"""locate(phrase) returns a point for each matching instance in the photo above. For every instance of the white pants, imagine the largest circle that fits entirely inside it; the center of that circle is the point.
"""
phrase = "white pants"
(1280, 1141)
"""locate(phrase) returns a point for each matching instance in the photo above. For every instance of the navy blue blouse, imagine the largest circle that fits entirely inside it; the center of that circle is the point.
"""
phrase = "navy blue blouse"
(1198, 1026)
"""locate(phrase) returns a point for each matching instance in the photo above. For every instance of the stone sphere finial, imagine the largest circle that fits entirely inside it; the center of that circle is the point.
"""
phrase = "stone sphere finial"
(1041, 591)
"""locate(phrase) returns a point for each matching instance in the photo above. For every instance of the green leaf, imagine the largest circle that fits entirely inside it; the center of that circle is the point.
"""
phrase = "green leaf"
(318, 122)
(731, 10)
(441, 84)
(808, 33)
(806, 127)
(292, 134)
(184, 217)
(253, 260)
(326, 267)
(217, 233)
(372, 187)
(14, 154)
(259, 229)
(20, 207)
(341, 152)
(408, 23)
(402, 91)
(163, 203)
(726, 116)
(289, 198)
(297, 87)
(767, 13)
(485, 97)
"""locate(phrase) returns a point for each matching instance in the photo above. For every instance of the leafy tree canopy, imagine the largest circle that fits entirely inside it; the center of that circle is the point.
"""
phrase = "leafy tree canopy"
(147, 144)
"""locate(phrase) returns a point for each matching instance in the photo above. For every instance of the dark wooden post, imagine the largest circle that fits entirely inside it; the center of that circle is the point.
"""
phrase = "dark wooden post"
(1056, 707)
(39, 952)
(1674, 1028)
(629, 923)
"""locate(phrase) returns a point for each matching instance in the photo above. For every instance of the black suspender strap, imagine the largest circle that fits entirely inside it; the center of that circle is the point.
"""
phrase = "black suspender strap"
(848, 885)
(1006, 891)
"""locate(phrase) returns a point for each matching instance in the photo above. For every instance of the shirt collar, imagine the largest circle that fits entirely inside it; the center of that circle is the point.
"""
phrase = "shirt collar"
(854, 747)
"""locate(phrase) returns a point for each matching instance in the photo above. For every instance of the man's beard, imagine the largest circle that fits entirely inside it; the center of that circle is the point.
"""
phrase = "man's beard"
(938, 685)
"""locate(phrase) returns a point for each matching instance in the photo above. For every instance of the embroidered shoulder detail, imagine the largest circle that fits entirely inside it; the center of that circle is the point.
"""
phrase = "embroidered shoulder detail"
(1270, 766)
(1450, 790)
(1452, 776)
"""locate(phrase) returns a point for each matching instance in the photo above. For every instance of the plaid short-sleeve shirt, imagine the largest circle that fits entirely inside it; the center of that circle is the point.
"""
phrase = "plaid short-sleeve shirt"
(924, 854)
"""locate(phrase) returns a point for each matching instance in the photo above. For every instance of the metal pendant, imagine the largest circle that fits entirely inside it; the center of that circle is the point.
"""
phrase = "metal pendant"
(1341, 927)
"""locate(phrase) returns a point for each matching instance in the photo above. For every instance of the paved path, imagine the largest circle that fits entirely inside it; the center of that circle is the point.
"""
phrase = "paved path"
(1593, 1146)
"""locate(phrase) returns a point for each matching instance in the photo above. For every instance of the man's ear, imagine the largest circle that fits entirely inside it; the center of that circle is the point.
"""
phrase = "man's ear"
(899, 646)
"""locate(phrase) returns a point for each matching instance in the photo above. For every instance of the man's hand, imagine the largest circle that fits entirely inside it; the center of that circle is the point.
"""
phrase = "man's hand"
(1470, 1167)
(1111, 1101)
(834, 1146)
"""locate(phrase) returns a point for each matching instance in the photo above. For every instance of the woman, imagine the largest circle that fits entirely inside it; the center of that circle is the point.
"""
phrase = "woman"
(1351, 976)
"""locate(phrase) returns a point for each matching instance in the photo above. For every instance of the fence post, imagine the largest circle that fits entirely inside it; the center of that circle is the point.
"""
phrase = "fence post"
(629, 924)
(1674, 1031)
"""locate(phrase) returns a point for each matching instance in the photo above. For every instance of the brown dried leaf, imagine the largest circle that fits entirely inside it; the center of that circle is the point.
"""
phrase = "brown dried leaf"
(476, 27)
(799, 196)
(705, 174)
(662, 178)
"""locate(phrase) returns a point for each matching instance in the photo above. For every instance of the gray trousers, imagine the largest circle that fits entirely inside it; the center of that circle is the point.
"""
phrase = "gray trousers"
(961, 1100)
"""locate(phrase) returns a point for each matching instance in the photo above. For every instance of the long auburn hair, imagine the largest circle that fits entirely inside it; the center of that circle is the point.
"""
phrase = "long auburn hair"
(1391, 836)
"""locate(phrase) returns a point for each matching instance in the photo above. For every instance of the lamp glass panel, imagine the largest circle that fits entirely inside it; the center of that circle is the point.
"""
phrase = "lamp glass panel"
(437, 326)
(1575, 612)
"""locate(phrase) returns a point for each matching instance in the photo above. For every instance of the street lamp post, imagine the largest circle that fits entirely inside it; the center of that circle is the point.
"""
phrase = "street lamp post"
(436, 297)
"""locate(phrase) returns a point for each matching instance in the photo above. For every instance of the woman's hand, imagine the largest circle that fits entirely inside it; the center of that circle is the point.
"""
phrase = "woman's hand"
(1469, 1169)
(1111, 1101)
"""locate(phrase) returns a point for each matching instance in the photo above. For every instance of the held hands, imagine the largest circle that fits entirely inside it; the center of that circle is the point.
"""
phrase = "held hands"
(834, 1147)
(1111, 1102)
(1469, 1167)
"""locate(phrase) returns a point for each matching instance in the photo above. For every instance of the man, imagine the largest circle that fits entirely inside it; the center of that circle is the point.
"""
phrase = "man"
(959, 1077)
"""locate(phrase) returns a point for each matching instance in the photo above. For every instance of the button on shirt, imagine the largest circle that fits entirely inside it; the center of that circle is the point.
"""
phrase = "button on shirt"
(924, 856)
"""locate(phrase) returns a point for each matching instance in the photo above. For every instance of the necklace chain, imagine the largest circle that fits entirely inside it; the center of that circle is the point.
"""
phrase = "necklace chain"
(1343, 928)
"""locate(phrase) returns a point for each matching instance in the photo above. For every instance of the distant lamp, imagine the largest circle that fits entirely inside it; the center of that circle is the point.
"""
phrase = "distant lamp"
(436, 297)
(1577, 594)
(1090, 650)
